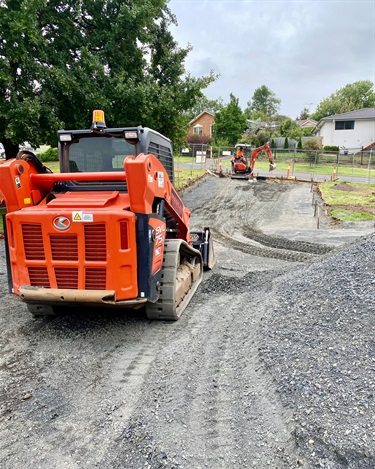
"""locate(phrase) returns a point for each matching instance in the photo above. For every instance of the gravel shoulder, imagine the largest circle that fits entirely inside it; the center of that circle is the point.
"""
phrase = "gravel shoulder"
(271, 365)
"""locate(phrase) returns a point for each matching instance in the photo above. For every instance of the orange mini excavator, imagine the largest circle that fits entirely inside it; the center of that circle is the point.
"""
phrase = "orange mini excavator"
(242, 170)
(109, 230)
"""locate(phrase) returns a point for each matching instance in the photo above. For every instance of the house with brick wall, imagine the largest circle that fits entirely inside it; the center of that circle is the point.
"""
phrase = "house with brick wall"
(201, 128)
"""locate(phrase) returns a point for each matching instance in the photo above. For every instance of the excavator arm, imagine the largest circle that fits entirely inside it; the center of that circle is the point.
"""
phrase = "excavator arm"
(257, 152)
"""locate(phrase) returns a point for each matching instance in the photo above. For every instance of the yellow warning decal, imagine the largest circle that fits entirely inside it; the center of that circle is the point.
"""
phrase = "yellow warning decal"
(82, 217)
(27, 200)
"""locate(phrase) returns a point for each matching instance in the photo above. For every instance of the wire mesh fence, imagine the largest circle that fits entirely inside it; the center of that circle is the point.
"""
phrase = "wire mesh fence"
(349, 164)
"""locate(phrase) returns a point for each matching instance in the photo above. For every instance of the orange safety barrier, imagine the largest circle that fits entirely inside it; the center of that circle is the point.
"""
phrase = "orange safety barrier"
(334, 175)
(288, 171)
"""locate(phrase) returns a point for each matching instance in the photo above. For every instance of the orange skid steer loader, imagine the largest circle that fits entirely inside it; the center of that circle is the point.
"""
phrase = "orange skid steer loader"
(109, 230)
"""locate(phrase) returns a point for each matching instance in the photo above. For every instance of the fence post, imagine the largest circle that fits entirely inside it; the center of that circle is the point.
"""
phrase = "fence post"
(369, 166)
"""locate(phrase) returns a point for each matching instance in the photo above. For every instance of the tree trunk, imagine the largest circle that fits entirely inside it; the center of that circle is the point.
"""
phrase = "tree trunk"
(11, 149)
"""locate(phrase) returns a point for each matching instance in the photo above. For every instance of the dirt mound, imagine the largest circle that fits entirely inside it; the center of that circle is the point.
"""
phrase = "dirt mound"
(348, 187)
(344, 186)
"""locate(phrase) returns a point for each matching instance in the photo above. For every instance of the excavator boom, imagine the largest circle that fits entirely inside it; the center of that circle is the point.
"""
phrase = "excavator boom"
(257, 152)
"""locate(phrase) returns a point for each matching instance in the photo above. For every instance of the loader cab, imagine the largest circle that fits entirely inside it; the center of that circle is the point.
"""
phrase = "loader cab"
(105, 150)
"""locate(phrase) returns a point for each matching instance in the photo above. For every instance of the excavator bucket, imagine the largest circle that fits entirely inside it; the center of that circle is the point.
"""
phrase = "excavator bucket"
(272, 166)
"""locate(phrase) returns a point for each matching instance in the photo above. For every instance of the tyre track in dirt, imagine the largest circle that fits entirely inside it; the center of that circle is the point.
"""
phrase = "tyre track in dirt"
(112, 390)
(104, 358)
(193, 415)
(234, 209)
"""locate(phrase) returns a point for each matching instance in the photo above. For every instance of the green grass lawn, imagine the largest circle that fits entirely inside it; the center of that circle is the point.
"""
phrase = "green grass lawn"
(304, 167)
(349, 201)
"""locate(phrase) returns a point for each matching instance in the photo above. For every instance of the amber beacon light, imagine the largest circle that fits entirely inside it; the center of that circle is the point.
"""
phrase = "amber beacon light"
(98, 121)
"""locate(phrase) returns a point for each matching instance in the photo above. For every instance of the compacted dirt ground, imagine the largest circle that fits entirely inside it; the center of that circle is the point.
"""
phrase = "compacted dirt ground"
(271, 365)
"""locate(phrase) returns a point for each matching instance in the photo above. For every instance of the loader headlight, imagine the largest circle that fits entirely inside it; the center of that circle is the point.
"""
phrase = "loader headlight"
(65, 137)
(131, 136)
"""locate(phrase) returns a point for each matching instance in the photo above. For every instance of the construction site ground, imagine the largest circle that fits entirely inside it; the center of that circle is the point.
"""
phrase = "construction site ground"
(271, 365)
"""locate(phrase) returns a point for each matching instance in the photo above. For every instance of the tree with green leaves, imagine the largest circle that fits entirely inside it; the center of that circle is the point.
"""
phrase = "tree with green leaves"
(60, 60)
(204, 104)
(289, 128)
(230, 123)
(263, 105)
(305, 113)
(352, 97)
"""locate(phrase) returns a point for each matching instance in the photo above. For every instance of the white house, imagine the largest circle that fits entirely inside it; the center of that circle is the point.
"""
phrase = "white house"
(353, 130)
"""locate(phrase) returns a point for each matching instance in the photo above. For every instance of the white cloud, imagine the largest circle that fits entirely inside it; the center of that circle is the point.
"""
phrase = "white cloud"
(302, 50)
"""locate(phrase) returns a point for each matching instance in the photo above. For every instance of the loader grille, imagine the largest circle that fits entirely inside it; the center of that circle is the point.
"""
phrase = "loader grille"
(95, 279)
(39, 277)
(33, 242)
(68, 252)
(64, 248)
(95, 243)
(66, 277)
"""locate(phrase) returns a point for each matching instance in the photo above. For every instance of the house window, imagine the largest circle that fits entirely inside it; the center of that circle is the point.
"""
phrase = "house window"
(198, 129)
(211, 129)
(344, 125)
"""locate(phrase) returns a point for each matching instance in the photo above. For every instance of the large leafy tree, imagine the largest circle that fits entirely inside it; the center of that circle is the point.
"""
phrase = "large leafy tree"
(205, 104)
(305, 113)
(351, 97)
(264, 104)
(289, 128)
(59, 60)
(230, 122)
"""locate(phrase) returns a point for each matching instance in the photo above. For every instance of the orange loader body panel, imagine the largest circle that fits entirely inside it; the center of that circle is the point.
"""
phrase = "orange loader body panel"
(86, 240)
(93, 250)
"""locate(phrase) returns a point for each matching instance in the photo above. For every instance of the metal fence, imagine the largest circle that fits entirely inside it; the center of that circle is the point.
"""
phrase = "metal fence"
(350, 164)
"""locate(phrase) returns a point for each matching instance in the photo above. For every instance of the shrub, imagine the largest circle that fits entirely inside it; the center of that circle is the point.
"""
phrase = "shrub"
(52, 154)
(312, 150)
(199, 139)
(330, 148)
(286, 143)
(255, 142)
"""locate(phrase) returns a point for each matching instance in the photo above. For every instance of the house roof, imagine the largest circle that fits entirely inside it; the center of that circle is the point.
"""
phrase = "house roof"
(200, 115)
(366, 113)
(303, 122)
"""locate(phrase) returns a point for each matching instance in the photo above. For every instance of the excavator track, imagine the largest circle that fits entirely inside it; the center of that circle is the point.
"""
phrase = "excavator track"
(181, 276)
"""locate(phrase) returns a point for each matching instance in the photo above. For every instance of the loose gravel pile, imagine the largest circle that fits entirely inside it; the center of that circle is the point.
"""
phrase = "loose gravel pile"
(318, 343)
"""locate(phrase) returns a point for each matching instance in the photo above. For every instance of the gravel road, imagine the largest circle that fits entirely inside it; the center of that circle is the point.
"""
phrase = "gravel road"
(271, 365)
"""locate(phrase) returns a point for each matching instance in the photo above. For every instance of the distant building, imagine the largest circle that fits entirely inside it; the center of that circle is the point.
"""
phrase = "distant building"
(201, 127)
(306, 123)
(351, 130)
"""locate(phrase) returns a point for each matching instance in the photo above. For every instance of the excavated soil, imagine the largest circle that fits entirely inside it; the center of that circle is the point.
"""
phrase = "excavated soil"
(271, 365)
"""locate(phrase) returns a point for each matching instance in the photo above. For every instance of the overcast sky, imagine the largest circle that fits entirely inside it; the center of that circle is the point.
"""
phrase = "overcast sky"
(302, 50)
